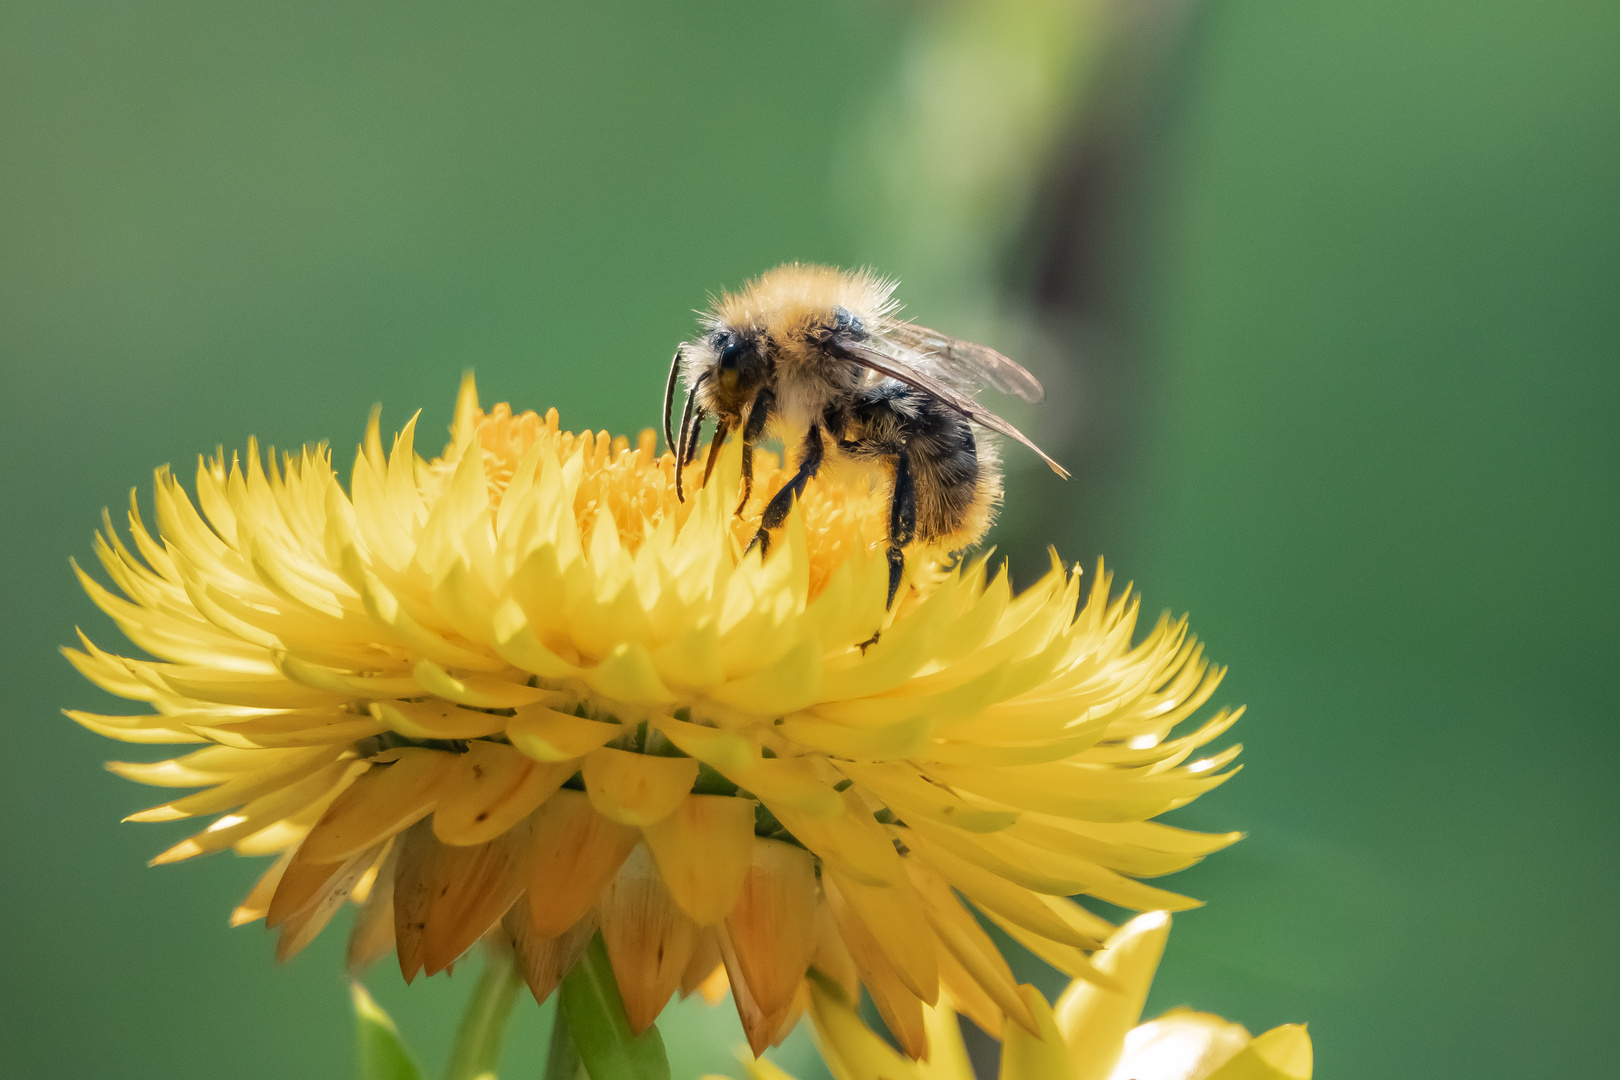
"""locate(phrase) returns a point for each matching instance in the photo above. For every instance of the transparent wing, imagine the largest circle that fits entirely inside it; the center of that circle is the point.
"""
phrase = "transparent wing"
(965, 363)
(915, 376)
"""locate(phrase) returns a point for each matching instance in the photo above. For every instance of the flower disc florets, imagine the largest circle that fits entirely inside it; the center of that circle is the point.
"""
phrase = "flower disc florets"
(523, 689)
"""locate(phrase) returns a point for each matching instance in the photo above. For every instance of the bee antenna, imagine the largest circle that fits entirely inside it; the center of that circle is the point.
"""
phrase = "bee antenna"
(669, 396)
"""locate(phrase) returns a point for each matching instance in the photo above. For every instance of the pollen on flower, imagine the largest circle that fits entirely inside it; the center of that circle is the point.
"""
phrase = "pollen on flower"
(524, 688)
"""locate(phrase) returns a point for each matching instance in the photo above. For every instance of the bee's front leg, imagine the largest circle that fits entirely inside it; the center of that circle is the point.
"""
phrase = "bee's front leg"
(722, 427)
(776, 511)
(759, 411)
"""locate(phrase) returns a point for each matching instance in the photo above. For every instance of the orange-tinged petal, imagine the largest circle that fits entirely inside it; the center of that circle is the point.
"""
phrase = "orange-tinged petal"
(543, 959)
(649, 938)
(372, 936)
(301, 928)
(575, 853)
(469, 890)
(257, 902)
(637, 789)
(832, 958)
(703, 850)
(388, 798)
(491, 789)
(772, 928)
(705, 961)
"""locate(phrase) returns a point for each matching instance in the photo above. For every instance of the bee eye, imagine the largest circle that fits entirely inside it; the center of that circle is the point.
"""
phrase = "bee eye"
(730, 356)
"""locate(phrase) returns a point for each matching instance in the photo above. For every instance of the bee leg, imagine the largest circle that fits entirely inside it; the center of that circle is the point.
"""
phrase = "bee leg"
(902, 520)
(759, 411)
(686, 449)
(681, 446)
(669, 395)
(776, 511)
(721, 428)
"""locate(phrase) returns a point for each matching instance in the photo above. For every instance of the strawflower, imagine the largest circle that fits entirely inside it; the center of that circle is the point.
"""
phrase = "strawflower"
(522, 690)
(1091, 1034)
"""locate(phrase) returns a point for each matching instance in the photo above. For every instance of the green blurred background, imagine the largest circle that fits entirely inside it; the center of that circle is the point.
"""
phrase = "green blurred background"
(1325, 297)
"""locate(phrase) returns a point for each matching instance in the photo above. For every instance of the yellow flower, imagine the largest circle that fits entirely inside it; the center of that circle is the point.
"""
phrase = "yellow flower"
(522, 687)
(1089, 1035)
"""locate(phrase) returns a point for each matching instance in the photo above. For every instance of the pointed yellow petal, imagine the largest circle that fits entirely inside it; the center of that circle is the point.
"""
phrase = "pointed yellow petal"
(548, 735)
(1283, 1053)
(703, 851)
(962, 992)
(851, 1048)
(1093, 1020)
(1029, 1056)
(960, 933)
(436, 719)
(478, 691)
(899, 1006)
(637, 789)
(1181, 1043)
(895, 917)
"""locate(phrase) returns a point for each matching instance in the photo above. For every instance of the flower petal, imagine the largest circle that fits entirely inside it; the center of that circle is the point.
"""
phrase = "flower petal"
(388, 798)
(703, 851)
(575, 853)
(637, 789)
(1093, 1020)
(492, 789)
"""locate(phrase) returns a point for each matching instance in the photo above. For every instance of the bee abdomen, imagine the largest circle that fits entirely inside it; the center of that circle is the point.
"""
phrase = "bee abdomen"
(957, 481)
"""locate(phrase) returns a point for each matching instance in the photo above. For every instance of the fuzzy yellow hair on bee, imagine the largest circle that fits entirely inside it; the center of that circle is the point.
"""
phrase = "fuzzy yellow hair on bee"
(818, 358)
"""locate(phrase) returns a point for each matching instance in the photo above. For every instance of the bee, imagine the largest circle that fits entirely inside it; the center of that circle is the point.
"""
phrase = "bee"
(816, 357)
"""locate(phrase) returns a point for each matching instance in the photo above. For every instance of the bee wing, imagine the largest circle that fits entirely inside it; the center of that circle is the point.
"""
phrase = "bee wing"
(912, 376)
(967, 363)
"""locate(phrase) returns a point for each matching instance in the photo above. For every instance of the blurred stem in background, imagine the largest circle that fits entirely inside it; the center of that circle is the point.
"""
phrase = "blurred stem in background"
(998, 170)
(477, 1048)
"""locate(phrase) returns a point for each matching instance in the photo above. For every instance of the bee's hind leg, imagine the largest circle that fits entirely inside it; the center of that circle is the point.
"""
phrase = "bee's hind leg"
(776, 511)
(902, 530)
(902, 520)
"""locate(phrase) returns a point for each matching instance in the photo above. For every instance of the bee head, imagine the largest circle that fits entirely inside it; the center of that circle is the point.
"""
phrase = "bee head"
(739, 368)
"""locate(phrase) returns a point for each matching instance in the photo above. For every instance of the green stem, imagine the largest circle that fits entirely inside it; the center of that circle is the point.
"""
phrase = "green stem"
(477, 1049)
(594, 1012)
(562, 1061)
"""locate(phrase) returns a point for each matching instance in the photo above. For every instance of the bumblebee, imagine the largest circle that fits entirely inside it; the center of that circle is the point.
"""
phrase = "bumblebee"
(815, 357)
